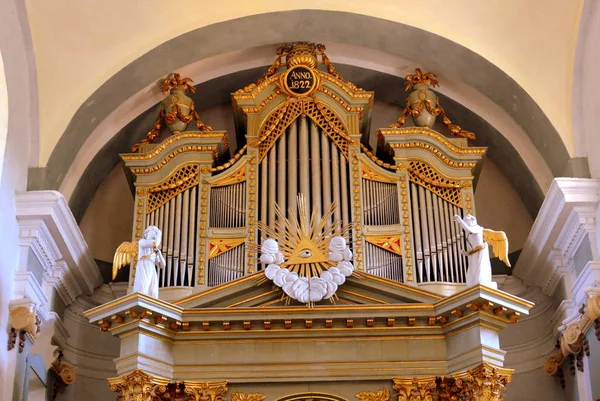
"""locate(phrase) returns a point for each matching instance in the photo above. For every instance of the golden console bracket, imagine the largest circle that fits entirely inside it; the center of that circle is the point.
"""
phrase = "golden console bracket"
(483, 383)
(573, 341)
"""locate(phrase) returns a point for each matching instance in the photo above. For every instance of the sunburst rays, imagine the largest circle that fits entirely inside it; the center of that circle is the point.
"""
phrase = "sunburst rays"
(300, 234)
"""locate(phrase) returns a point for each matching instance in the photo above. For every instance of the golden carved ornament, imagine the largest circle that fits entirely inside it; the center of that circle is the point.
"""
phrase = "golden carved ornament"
(388, 242)
(237, 396)
(381, 395)
(218, 246)
(451, 389)
(417, 106)
(415, 389)
(418, 77)
(138, 386)
(551, 365)
(488, 382)
(174, 112)
(425, 175)
(323, 116)
(182, 179)
(370, 174)
(202, 391)
(174, 81)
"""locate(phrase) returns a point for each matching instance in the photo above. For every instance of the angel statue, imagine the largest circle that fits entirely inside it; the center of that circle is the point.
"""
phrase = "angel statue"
(147, 254)
(478, 238)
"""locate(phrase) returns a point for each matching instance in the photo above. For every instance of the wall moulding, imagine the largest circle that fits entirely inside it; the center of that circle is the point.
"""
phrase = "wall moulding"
(48, 228)
(558, 230)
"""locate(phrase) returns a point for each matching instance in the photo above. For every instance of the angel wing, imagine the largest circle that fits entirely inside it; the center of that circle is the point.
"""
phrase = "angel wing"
(124, 255)
(499, 243)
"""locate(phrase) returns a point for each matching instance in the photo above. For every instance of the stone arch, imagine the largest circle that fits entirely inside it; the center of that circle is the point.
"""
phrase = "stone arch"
(430, 51)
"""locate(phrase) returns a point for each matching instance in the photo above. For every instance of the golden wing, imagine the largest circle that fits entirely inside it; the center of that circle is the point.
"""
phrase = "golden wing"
(124, 255)
(499, 243)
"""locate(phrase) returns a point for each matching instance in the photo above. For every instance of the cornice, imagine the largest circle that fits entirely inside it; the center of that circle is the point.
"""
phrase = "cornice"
(570, 203)
(48, 226)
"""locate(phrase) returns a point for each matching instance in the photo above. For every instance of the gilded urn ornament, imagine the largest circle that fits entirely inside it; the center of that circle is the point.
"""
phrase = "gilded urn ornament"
(422, 101)
(177, 110)
(177, 105)
(423, 105)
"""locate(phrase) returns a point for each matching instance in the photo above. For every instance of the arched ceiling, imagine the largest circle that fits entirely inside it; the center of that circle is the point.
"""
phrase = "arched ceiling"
(79, 46)
(528, 139)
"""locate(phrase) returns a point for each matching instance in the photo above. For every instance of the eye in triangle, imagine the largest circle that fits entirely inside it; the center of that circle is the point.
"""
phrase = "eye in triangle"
(306, 252)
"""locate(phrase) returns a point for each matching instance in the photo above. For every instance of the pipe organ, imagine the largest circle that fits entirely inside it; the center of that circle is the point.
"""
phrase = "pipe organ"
(304, 129)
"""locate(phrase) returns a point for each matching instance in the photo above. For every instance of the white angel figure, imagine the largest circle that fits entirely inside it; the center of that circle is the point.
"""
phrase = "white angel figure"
(148, 255)
(480, 268)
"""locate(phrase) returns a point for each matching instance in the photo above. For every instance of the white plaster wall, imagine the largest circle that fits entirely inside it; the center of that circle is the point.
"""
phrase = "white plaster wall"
(21, 86)
(586, 86)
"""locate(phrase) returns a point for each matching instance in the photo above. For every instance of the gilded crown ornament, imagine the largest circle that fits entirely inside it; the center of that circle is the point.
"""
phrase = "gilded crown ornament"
(305, 54)
(177, 110)
(423, 105)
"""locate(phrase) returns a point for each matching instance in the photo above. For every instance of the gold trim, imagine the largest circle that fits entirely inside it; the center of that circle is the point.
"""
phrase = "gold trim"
(385, 132)
(218, 246)
(253, 298)
(391, 243)
(368, 298)
(163, 145)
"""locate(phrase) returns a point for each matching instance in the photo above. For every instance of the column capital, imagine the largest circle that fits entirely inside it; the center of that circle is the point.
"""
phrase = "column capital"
(138, 386)
(420, 389)
(203, 391)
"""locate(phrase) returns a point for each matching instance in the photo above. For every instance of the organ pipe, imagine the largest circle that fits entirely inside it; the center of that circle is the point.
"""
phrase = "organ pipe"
(292, 155)
(315, 170)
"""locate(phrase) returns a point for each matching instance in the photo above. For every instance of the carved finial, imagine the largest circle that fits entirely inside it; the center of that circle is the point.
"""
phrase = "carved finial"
(418, 78)
(423, 105)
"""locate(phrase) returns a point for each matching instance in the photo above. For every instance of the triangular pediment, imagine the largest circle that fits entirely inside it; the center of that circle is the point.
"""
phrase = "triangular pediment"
(256, 291)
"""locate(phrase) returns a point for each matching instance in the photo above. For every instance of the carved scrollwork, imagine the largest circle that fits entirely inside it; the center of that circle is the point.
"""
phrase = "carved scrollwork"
(237, 396)
(381, 395)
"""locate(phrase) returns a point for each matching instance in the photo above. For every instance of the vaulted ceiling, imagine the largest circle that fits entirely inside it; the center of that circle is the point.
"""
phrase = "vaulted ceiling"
(506, 69)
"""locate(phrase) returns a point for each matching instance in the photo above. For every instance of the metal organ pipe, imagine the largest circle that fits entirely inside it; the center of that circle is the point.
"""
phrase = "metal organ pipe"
(417, 230)
(343, 166)
(438, 234)
(304, 159)
(292, 156)
(431, 231)
(184, 236)
(326, 172)
(281, 173)
(177, 239)
(272, 184)
(425, 232)
(191, 236)
(315, 170)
